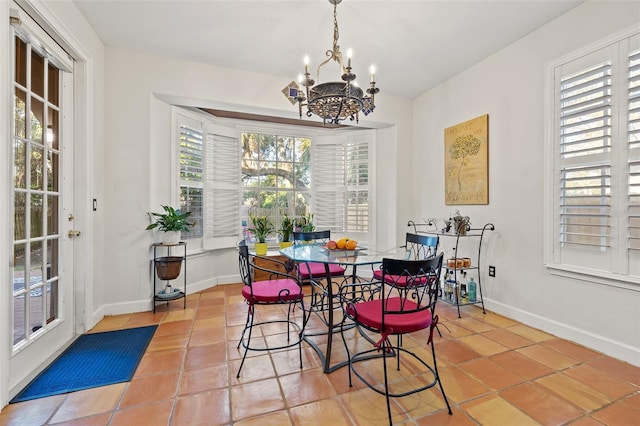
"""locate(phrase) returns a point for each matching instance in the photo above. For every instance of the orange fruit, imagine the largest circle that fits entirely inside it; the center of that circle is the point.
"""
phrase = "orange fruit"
(341, 243)
(351, 244)
(331, 245)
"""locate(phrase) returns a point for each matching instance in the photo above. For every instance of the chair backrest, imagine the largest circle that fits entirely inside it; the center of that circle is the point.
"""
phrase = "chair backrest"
(314, 236)
(421, 246)
(417, 280)
(243, 263)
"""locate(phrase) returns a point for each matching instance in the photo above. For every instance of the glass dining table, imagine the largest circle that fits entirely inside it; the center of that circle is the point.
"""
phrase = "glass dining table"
(352, 259)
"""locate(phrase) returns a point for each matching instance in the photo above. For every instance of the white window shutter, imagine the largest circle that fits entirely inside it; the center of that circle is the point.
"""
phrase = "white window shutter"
(222, 188)
(329, 181)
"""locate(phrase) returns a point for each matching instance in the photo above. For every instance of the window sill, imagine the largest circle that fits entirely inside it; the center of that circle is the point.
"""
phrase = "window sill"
(596, 277)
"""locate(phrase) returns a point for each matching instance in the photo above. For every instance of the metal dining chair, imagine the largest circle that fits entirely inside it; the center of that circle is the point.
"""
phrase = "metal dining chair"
(382, 309)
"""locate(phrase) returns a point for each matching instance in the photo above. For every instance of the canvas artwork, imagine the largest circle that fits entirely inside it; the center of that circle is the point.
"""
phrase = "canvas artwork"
(466, 162)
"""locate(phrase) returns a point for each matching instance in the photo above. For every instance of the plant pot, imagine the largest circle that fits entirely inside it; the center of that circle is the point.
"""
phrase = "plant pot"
(171, 237)
(285, 244)
(261, 248)
(168, 268)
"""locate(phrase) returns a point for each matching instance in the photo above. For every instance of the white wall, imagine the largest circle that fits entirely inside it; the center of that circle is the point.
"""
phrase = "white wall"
(137, 160)
(509, 86)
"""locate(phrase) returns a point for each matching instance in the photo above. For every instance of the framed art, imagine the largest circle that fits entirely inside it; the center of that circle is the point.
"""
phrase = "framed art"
(466, 162)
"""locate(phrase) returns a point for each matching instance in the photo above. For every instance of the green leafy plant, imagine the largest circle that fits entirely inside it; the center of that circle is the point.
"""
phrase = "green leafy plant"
(261, 227)
(286, 228)
(171, 220)
(305, 223)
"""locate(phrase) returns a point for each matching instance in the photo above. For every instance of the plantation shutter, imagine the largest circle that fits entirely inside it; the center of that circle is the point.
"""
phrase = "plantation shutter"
(585, 146)
(634, 148)
(329, 183)
(191, 173)
(222, 187)
(357, 166)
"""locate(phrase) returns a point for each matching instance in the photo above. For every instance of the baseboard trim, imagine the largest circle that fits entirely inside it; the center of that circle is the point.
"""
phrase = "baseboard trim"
(583, 337)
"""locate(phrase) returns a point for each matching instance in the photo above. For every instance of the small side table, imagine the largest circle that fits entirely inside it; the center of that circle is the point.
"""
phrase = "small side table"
(180, 293)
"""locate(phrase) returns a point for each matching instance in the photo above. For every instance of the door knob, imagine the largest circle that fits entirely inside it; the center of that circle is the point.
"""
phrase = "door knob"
(73, 233)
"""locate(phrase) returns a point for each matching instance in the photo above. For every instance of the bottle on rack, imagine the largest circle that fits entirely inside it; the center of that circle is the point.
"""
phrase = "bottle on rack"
(471, 288)
(463, 287)
(168, 289)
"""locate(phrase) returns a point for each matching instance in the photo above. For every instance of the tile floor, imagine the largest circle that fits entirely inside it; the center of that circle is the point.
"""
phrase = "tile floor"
(495, 372)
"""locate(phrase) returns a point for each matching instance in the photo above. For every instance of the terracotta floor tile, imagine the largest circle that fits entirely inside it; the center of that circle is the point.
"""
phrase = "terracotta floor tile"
(160, 362)
(323, 412)
(549, 357)
(204, 408)
(495, 371)
(507, 338)
(541, 405)
(609, 385)
(575, 392)
(215, 376)
(210, 336)
(618, 368)
(306, 386)
(459, 386)
(34, 412)
(618, 413)
(491, 374)
(454, 352)
(366, 407)
(493, 410)
(157, 413)
(483, 345)
(521, 365)
(89, 402)
(252, 399)
(573, 350)
(530, 333)
(150, 388)
(201, 356)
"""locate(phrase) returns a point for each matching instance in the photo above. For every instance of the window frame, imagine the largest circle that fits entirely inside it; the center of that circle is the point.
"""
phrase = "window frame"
(619, 270)
(237, 127)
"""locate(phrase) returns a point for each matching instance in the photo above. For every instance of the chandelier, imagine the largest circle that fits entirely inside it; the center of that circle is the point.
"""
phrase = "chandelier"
(336, 100)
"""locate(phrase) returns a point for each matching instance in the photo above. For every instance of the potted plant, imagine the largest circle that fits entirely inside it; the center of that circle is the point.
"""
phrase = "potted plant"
(286, 229)
(170, 223)
(261, 228)
(305, 223)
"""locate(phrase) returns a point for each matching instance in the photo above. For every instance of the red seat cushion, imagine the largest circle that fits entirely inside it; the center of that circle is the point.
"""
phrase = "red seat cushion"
(370, 314)
(397, 280)
(316, 270)
(273, 291)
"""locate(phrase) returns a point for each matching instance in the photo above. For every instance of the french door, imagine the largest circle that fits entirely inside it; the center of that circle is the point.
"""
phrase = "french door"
(42, 268)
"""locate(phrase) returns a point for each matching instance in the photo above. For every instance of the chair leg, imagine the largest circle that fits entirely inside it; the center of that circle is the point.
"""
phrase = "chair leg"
(386, 380)
(249, 327)
(435, 368)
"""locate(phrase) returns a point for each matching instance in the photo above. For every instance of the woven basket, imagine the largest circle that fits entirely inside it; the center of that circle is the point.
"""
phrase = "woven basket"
(168, 268)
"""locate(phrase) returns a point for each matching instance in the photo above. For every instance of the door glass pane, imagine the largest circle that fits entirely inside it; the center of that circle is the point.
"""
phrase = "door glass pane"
(20, 113)
(36, 311)
(19, 319)
(52, 214)
(52, 255)
(37, 74)
(36, 216)
(20, 164)
(37, 119)
(54, 85)
(21, 62)
(52, 301)
(37, 166)
(36, 263)
(18, 267)
(52, 128)
(20, 216)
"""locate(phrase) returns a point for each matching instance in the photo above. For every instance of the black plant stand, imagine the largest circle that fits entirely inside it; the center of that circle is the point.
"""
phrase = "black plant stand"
(180, 294)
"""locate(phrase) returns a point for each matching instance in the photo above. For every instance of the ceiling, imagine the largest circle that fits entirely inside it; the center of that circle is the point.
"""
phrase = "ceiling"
(414, 44)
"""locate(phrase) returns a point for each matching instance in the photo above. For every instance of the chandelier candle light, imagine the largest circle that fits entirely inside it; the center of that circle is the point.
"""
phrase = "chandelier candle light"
(337, 100)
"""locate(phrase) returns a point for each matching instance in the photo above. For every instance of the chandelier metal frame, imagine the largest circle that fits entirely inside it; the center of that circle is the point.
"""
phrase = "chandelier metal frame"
(333, 101)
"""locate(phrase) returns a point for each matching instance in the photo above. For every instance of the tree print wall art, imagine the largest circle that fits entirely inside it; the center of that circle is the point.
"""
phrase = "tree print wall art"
(466, 162)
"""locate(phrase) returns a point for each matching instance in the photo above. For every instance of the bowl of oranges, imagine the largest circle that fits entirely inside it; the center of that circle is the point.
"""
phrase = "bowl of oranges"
(344, 245)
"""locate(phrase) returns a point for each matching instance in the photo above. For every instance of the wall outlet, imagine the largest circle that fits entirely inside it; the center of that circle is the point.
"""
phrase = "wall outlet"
(492, 271)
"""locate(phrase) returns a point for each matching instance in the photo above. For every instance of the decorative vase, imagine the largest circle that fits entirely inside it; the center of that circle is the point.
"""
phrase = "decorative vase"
(261, 248)
(171, 237)
(285, 244)
(168, 268)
